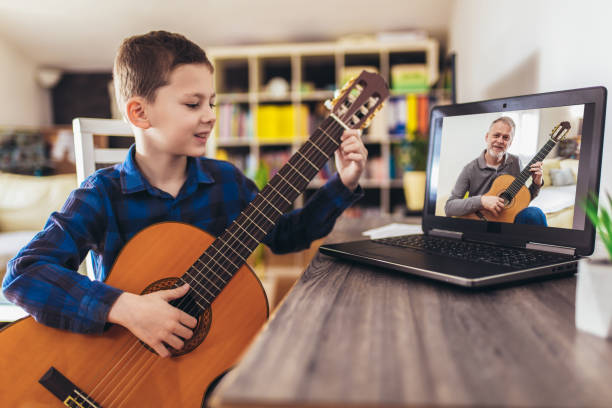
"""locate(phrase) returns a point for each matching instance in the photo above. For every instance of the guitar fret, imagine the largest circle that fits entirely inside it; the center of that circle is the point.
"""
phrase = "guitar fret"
(271, 205)
(241, 243)
(298, 172)
(230, 261)
(264, 214)
(252, 237)
(200, 261)
(330, 138)
(193, 286)
(279, 193)
(290, 185)
(200, 272)
(254, 223)
(203, 286)
(309, 162)
(317, 147)
(209, 269)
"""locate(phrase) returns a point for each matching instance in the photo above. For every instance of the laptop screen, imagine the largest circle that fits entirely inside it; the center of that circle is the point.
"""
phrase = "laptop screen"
(519, 167)
(479, 150)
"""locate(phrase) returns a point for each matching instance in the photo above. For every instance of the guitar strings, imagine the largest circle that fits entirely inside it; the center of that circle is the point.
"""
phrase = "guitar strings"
(144, 351)
(516, 185)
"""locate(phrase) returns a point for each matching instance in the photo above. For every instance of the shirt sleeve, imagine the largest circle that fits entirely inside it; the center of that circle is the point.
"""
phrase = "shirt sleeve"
(43, 277)
(456, 205)
(534, 189)
(297, 229)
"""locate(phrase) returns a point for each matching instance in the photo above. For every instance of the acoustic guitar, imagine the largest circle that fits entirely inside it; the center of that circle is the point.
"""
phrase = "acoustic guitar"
(46, 367)
(512, 189)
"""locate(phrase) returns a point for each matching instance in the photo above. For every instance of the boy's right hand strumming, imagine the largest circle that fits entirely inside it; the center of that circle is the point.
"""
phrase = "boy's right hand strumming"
(153, 320)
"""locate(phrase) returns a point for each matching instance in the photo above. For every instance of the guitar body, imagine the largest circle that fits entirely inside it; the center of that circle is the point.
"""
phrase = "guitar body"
(520, 201)
(137, 377)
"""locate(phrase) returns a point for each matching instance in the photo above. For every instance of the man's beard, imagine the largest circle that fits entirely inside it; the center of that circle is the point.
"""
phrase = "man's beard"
(495, 154)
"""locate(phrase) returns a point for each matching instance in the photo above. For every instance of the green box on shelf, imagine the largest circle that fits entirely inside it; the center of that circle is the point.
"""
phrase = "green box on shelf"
(409, 78)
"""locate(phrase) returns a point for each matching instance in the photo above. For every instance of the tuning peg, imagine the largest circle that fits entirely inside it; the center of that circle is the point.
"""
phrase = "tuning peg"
(369, 120)
(342, 91)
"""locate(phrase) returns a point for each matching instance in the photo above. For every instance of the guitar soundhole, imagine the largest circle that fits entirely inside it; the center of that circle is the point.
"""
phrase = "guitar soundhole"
(187, 305)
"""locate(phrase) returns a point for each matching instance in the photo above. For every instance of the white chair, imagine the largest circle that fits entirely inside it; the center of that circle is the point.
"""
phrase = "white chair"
(87, 155)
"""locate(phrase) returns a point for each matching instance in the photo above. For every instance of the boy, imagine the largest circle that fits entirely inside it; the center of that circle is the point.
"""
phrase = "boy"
(164, 88)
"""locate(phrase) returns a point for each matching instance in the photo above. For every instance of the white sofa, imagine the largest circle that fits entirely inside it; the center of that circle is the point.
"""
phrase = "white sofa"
(25, 205)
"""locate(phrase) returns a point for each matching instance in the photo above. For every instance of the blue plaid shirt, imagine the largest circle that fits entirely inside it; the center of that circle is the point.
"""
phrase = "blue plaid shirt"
(114, 204)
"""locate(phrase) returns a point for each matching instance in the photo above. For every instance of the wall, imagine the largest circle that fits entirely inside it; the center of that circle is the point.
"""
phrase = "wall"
(519, 47)
(22, 101)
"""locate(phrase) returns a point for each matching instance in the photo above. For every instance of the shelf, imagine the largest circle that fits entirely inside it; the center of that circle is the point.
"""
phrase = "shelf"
(267, 97)
(304, 74)
(315, 95)
(233, 98)
(281, 142)
(233, 142)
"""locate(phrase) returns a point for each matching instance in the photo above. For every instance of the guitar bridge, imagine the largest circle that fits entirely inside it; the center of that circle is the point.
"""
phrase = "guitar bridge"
(70, 395)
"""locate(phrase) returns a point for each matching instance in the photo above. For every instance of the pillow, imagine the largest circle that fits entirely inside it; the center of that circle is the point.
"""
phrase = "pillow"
(571, 164)
(562, 177)
(547, 165)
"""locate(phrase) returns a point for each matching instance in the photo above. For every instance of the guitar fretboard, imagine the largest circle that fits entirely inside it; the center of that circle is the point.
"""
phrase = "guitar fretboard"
(217, 265)
(518, 182)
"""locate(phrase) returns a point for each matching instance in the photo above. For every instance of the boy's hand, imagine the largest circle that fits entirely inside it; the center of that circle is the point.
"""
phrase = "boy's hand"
(150, 318)
(351, 158)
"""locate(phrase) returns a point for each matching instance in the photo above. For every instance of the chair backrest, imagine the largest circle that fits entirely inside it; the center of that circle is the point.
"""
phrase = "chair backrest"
(87, 155)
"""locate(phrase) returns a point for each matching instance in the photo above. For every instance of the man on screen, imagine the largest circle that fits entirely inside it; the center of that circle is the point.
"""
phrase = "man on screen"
(478, 175)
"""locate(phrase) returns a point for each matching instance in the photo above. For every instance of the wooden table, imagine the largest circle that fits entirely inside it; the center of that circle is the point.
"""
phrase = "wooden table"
(352, 335)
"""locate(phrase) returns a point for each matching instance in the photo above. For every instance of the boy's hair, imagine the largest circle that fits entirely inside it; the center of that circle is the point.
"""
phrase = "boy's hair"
(144, 63)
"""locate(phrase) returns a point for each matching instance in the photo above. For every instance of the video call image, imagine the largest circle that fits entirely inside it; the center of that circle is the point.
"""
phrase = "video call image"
(518, 167)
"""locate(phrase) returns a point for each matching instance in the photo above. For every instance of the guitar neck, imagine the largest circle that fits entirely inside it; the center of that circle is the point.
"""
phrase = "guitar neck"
(525, 173)
(223, 258)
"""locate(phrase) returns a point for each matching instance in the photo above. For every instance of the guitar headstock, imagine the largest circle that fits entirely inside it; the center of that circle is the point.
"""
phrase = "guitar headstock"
(560, 131)
(360, 99)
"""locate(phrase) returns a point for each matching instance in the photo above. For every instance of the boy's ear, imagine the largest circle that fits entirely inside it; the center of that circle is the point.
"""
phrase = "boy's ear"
(136, 112)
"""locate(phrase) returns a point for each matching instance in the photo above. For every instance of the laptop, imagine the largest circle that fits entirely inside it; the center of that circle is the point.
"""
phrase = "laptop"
(536, 232)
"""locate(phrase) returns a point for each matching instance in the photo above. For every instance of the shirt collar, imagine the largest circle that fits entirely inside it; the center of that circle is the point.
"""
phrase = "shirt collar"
(132, 179)
(482, 163)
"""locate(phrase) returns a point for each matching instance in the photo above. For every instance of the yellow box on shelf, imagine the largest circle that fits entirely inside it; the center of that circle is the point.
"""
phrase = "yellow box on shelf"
(267, 122)
(282, 123)
(286, 123)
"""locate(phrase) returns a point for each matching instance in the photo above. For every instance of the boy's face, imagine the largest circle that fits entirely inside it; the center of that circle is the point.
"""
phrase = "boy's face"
(182, 116)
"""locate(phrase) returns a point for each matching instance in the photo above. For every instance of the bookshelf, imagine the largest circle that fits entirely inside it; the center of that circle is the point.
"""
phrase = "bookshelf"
(270, 98)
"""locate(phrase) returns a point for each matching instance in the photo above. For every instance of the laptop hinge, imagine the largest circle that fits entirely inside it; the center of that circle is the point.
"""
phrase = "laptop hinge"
(446, 233)
(551, 248)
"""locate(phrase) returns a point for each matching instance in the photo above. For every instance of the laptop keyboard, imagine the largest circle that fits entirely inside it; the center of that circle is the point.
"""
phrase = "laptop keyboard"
(477, 252)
